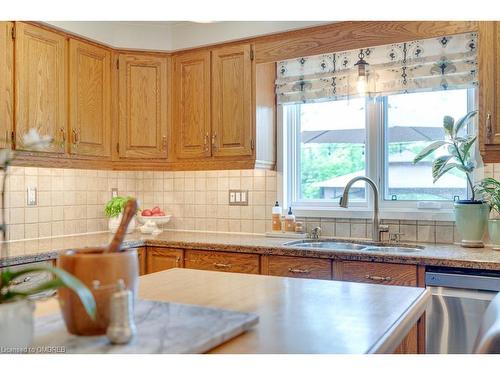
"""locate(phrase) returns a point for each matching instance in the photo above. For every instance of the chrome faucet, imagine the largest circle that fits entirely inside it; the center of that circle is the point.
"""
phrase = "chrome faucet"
(377, 229)
(315, 233)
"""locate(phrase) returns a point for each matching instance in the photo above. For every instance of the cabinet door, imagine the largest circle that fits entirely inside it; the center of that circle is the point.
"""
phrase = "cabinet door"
(232, 101)
(6, 83)
(143, 118)
(489, 83)
(40, 69)
(141, 258)
(161, 259)
(192, 104)
(90, 99)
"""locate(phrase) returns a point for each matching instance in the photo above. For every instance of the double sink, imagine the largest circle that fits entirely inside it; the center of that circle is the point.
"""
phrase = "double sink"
(357, 246)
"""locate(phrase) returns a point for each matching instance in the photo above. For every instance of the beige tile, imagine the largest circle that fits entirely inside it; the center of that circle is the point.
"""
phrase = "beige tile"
(17, 199)
(168, 184)
(342, 229)
(259, 226)
(246, 183)
(44, 198)
(426, 233)
(16, 216)
(444, 234)
(259, 212)
(189, 184)
(31, 230)
(234, 212)
(45, 229)
(222, 225)
(223, 183)
(259, 183)
(408, 232)
(234, 225)
(16, 232)
(57, 213)
(31, 215)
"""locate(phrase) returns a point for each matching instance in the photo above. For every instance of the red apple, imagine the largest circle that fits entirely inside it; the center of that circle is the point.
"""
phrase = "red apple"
(146, 212)
(155, 210)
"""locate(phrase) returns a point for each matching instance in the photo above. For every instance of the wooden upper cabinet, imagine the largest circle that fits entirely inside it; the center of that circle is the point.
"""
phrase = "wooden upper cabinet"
(489, 87)
(232, 101)
(143, 102)
(40, 71)
(89, 99)
(6, 83)
(192, 104)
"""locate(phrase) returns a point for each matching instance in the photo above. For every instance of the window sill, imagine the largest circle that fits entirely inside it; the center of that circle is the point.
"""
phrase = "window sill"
(363, 213)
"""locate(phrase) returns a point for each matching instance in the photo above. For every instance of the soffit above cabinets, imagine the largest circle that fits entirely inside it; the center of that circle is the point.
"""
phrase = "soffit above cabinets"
(175, 35)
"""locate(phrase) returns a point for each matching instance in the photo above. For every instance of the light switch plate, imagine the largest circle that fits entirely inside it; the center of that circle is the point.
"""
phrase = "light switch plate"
(114, 192)
(238, 197)
(31, 196)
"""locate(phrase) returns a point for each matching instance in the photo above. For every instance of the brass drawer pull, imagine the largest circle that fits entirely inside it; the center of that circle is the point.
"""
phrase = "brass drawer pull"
(222, 265)
(378, 278)
(298, 270)
(489, 130)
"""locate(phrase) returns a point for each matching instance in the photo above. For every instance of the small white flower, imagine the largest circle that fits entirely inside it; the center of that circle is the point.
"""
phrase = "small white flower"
(34, 141)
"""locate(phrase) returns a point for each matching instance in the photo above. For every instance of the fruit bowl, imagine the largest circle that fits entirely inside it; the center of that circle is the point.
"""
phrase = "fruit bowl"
(150, 223)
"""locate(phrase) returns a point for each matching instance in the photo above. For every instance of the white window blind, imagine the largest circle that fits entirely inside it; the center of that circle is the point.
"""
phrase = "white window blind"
(447, 62)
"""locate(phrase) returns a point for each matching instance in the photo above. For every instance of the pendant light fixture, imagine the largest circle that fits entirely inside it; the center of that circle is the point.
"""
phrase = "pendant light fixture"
(362, 82)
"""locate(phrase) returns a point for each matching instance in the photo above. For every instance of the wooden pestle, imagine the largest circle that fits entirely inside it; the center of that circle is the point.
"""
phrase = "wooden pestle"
(129, 211)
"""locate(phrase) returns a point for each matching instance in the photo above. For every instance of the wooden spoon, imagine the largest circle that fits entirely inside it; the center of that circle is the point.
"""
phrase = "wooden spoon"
(129, 211)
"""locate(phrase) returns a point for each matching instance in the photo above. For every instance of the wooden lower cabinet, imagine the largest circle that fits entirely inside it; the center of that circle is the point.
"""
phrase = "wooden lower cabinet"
(384, 274)
(222, 261)
(162, 258)
(307, 268)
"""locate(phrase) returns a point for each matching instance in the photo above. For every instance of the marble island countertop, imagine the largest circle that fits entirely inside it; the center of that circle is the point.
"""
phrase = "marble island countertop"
(447, 255)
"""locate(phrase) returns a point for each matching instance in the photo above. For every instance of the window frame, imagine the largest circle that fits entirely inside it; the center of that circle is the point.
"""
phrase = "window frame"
(375, 117)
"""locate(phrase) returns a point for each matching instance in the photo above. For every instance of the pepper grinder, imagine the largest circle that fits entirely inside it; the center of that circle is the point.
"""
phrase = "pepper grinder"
(121, 327)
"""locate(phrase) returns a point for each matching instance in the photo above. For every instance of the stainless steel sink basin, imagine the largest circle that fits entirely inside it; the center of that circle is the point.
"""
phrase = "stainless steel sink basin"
(333, 245)
(392, 249)
(339, 245)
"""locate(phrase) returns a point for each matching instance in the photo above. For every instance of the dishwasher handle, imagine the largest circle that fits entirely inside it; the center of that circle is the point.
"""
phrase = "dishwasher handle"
(452, 280)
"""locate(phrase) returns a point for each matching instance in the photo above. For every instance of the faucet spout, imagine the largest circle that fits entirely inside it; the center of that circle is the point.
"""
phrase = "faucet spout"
(377, 229)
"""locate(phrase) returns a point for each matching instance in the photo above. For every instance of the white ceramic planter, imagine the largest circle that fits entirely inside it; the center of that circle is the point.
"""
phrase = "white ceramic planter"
(114, 223)
(16, 324)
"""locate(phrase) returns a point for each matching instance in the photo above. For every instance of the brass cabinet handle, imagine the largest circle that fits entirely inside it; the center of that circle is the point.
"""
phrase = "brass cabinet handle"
(378, 278)
(298, 270)
(222, 265)
(214, 136)
(177, 260)
(164, 142)
(75, 137)
(63, 136)
(205, 141)
(489, 130)
(79, 135)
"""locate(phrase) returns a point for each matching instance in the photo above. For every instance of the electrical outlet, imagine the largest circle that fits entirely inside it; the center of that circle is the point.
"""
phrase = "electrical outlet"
(31, 196)
(238, 197)
(114, 192)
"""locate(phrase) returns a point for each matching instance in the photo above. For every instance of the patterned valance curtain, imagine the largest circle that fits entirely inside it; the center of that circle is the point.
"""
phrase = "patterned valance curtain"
(447, 62)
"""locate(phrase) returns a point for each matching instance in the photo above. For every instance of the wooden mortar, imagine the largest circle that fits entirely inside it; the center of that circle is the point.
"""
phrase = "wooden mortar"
(89, 265)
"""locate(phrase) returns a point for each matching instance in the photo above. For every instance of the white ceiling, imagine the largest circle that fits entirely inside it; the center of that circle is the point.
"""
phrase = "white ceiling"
(175, 35)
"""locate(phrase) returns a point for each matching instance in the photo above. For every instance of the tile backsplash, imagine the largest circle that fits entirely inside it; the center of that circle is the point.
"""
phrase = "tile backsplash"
(71, 201)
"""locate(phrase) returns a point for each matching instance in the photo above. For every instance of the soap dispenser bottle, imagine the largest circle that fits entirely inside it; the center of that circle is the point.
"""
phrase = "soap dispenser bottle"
(276, 217)
(290, 221)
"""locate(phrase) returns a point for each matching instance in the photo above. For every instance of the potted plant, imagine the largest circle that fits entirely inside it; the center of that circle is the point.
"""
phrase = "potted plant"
(471, 215)
(489, 189)
(16, 304)
(113, 211)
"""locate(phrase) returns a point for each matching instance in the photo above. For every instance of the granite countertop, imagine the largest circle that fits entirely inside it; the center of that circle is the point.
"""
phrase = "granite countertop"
(447, 255)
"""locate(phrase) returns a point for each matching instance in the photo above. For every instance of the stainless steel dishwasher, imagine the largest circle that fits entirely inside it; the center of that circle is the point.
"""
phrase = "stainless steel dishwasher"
(459, 299)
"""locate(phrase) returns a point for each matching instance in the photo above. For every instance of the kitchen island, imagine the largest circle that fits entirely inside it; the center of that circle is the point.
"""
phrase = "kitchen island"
(295, 315)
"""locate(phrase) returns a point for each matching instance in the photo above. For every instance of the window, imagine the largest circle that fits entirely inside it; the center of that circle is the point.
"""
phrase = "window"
(331, 142)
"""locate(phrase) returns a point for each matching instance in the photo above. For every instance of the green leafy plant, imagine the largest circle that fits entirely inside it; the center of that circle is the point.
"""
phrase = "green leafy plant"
(459, 155)
(489, 190)
(9, 280)
(115, 206)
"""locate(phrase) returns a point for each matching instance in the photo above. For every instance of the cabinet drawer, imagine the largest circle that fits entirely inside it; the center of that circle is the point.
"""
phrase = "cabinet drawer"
(161, 259)
(378, 273)
(308, 268)
(221, 261)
